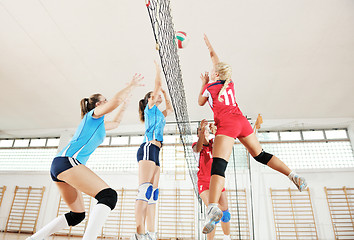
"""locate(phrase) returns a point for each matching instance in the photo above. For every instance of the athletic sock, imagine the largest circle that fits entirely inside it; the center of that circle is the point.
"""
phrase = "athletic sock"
(97, 218)
(292, 175)
(152, 235)
(139, 236)
(227, 237)
(210, 206)
(54, 226)
(299, 182)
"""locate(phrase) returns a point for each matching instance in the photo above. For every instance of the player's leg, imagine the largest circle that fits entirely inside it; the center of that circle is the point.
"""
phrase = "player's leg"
(225, 220)
(145, 191)
(221, 153)
(151, 209)
(205, 197)
(85, 180)
(255, 149)
(73, 198)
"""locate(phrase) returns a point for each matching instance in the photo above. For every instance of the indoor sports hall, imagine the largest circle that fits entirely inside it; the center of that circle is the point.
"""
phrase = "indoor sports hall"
(292, 78)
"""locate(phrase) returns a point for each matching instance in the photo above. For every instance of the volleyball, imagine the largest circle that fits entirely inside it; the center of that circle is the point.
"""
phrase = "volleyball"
(182, 39)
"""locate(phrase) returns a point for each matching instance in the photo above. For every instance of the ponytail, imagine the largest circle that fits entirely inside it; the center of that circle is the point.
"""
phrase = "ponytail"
(83, 105)
(225, 73)
(87, 104)
(142, 105)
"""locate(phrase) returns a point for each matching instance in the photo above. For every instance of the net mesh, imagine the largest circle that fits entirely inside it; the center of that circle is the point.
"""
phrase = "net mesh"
(163, 28)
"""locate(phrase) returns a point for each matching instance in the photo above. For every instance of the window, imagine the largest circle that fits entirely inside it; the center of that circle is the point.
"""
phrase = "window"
(34, 154)
(120, 140)
(6, 143)
(21, 143)
(26, 159)
(38, 142)
(312, 155)
(336, 134)
(268, 136)
(313, 135)
(290, 136)
(136, 140)
(305, 149)
(53, 142)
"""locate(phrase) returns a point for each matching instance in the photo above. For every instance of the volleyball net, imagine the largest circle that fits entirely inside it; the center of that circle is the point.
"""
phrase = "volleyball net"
(164, 33)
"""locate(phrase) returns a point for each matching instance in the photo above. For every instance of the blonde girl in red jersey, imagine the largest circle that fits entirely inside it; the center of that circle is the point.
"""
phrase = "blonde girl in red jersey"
(231, 124)
(203, 151)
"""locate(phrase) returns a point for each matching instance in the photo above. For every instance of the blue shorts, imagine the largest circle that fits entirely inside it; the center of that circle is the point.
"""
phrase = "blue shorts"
(61, 164)
(149, 151)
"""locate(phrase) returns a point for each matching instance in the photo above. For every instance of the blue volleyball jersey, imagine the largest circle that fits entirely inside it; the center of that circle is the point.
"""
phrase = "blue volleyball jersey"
(154, 124)
(88, 136)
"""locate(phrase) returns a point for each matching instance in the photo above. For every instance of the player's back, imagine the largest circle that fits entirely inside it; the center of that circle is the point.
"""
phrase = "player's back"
(228, 104)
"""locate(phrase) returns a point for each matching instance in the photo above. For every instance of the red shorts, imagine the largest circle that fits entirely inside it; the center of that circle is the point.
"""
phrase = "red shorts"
(202, 186)
(233, 125)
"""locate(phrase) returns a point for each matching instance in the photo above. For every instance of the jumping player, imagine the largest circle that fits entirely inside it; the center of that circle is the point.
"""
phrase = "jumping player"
(203, 150)
(148, 159)
(72, 177)
(231, 124)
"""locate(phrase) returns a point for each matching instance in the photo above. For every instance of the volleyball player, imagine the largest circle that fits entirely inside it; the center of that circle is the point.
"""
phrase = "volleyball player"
(72, 177)
(148, 158)
(231, 124)
(203, 149)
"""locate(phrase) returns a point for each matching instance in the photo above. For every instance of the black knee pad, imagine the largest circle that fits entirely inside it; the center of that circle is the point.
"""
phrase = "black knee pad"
(108, 197)
(74, 218)
(218, 167)
(263, 157)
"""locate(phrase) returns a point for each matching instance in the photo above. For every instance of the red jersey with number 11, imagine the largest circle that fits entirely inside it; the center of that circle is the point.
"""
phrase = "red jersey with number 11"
(224, 108)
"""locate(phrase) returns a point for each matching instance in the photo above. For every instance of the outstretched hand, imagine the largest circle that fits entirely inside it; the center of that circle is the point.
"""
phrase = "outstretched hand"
(136, 81)
(206, 40)
(203, 124)
(204, 78)
(203, 128)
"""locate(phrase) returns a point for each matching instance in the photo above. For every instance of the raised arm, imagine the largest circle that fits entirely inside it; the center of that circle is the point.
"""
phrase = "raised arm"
(214, 57)
(205, 79)
(118, 98)
(169, 108)
(158, 85)
(201, 136)
(114, 123)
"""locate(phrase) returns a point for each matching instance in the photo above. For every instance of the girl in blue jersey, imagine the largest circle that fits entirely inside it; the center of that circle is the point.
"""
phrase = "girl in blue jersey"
(148, 158)
(72, 177)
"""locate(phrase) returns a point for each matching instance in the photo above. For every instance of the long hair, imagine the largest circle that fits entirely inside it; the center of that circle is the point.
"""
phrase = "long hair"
(142, 105)
(87, 104)
(225, 73)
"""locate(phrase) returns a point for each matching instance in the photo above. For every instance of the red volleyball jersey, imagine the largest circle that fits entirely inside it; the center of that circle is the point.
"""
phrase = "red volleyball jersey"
(224, 108)
(205, 159)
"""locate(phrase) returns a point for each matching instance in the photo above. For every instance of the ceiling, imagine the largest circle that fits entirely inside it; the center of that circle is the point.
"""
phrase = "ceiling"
(291, 59)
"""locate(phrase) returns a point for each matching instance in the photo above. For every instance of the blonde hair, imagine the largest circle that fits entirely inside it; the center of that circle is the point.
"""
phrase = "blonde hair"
(225, 72)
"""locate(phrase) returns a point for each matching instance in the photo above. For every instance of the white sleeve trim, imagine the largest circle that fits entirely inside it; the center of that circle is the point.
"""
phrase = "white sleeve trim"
(207, 94)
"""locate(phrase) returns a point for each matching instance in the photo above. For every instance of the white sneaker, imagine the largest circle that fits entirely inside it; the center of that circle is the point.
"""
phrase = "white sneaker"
(214, 214)
(138, 237)
(151, 235)
(299, 182)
